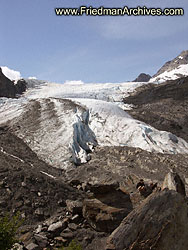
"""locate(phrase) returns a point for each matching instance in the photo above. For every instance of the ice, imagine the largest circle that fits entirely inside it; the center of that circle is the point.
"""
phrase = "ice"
(74, 82)
(84, 139)
(112, 92)
(114, 127)
(11, 108)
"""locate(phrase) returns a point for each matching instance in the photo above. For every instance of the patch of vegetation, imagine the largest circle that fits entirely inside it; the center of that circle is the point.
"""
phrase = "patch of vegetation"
(73, 245)
(9, 226)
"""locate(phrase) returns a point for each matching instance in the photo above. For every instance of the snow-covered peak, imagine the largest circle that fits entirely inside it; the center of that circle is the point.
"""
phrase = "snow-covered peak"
(32, 78)
(174, 74)
(174, 69)
(10, 73)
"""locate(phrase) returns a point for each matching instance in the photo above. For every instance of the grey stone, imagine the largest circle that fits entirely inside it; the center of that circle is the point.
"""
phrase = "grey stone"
(32, 246)
(57, 227)
(72, 226)
(41, 240)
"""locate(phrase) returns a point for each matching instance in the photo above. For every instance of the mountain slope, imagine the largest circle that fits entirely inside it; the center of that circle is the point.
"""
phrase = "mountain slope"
(163, 106)
(171, 70)
(28, 184)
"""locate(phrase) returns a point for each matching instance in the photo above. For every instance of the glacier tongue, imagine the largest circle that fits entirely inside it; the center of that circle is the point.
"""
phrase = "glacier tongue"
(114, 127)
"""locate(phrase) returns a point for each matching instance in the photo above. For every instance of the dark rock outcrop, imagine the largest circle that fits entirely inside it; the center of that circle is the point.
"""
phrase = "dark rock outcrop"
(143, 78)
(10, 89)
(7, 88)
(21, 86)
(159, 223)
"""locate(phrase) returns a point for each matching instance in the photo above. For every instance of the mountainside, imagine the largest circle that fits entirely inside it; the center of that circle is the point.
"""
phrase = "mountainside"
(163, 106)
(171, 70)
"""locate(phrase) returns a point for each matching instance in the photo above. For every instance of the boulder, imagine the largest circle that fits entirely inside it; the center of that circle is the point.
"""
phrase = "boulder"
(41, 240)
(106, 211)
(173, 181)
(57, 227)
(159, 223)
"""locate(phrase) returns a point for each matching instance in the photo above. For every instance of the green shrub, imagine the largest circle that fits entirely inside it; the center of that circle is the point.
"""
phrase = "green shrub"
(73, 245)
(8, 228)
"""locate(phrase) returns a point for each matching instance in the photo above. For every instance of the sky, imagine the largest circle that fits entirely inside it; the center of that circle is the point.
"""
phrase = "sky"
(38, 43)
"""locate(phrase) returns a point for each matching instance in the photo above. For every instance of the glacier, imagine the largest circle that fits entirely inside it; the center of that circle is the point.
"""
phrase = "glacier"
(63, 123)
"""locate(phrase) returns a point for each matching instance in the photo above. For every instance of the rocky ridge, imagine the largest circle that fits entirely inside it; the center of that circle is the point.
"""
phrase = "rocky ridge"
(143, 78)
